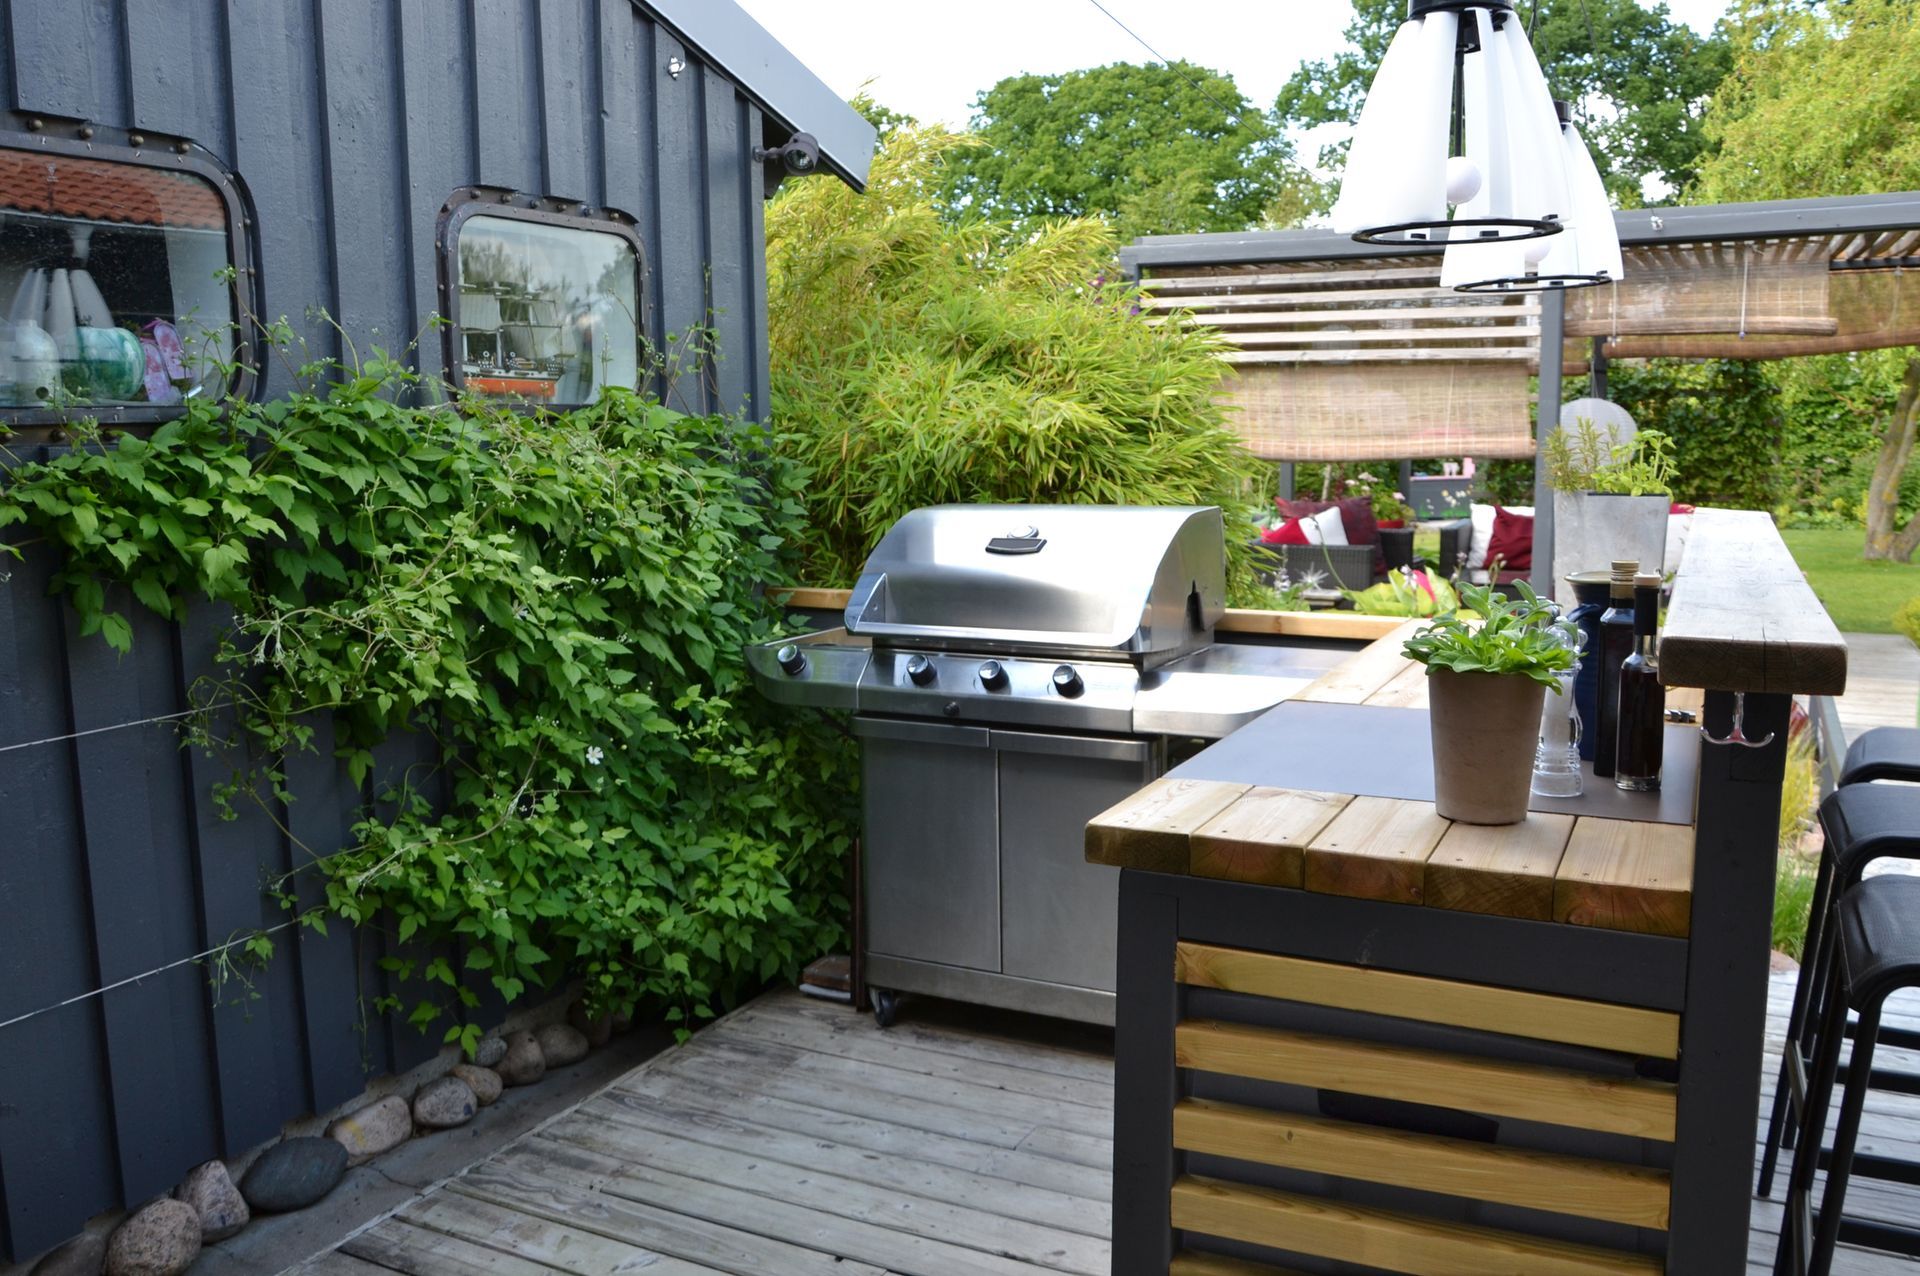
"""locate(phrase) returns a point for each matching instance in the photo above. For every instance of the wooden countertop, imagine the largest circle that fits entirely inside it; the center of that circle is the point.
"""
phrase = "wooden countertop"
(1743, 617)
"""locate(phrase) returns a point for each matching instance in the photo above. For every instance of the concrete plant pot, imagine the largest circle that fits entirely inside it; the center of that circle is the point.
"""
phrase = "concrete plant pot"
(1592, 529)
(1485, 727)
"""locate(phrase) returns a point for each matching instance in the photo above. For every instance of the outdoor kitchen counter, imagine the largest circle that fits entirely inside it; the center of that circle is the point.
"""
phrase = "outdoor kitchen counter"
(1350, 1030)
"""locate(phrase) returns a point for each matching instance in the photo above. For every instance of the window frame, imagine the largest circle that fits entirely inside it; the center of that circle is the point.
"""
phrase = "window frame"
(548, 210)
(168, 154)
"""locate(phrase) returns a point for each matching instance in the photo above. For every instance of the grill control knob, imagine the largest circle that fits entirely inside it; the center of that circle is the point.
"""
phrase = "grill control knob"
(1066, 681)
(920, 670)
(792, 660)
(992, 676)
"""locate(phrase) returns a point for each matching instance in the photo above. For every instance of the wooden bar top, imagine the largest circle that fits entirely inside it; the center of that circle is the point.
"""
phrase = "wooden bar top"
(1743, 617)
(1588, 871)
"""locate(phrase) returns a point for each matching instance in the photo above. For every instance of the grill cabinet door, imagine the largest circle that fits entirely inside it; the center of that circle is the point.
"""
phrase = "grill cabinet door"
(931, 859)
(1061, 913)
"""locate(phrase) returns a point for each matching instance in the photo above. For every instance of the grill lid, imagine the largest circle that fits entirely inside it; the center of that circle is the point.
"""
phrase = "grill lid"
(1135, 580)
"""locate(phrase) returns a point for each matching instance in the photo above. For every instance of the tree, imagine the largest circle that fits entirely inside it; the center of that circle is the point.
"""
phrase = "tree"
(1824, 100)
(1157, 149)
(1639, 82)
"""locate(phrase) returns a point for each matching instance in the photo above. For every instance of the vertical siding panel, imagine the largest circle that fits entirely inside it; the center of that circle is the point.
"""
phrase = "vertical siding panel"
(507, 94)
(170, 45)
(144, 911)
(567, 71)
(366, 173)
(258, 1040)
(629, 64)
(57, 1160)
(437, 81)
(329, 981)
(679, 196)
(278, 122)
(728, 297)
(761, 407)
(9, 98)
(70, 59)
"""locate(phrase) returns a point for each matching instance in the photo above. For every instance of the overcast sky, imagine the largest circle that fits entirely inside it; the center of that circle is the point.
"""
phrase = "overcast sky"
(930, 57)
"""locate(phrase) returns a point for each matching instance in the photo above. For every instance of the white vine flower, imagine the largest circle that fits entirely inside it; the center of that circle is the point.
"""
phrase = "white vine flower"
(1312, 577)
(594, 755)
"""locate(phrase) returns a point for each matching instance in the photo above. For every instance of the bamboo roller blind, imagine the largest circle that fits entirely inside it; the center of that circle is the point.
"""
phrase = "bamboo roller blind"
(1363, 362)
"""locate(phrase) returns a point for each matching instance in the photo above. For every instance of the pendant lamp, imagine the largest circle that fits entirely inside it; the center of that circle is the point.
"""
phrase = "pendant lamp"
(1586, 254)
(1405, 185)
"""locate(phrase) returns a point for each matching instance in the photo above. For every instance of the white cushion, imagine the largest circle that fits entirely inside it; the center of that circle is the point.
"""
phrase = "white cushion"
(1482, 516)
(1332, 530)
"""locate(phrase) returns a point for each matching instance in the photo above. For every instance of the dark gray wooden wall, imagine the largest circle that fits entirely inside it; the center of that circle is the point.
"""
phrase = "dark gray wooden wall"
(350, 122)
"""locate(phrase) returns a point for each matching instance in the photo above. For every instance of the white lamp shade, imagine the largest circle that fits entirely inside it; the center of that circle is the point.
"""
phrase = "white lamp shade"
(1533, 132)
(1595, 233)
(1397, 165)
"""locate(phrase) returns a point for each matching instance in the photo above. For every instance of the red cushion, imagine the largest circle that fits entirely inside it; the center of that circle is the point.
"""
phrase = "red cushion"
(1512, 540)
(1679, 508)
(1288, 533)
(1356, 520)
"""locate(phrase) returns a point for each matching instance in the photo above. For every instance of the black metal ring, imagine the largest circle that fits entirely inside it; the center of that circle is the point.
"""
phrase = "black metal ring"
(1419, 8)
(1533, 283)
(1531, 228)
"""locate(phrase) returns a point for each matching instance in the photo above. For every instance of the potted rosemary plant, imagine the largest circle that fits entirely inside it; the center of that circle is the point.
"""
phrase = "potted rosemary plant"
(1485, 681)
(1610, 497)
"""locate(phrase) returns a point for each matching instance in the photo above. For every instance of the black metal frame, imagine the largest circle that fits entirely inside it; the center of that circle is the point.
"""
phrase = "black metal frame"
(1716, 980)
(78, 139)
(493, 201)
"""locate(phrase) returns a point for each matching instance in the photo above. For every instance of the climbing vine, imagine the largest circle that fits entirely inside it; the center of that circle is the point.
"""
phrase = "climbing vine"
(558, 602)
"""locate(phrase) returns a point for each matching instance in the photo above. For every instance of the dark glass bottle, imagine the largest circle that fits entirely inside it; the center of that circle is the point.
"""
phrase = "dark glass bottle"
(1616, 644)
(1643, 701)
(1590, 603)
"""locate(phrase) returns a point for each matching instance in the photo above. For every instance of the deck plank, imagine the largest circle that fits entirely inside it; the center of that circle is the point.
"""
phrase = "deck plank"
(670, 1194)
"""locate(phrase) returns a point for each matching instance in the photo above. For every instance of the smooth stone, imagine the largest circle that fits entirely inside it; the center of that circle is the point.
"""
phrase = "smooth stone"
(373, 1129)
(597, 1030)
(490, 1052)
(484, 1082)
(161, 1239)
(562, 1044)
(293, 1174)
(84, 1255)
(211, 1193)
(523, 1064)
(444, 1103)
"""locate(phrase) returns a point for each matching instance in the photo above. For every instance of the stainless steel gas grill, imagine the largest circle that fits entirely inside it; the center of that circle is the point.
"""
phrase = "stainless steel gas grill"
(1013, 670)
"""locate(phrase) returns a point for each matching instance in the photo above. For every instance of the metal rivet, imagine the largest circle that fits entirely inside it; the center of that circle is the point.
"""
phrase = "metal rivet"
(179, 148)
(86, 131)
(36, 124)
(136, 139)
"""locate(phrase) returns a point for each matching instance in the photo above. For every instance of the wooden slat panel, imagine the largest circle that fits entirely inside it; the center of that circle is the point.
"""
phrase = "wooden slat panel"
(1263, 836)
(1380, 314)
(1306, 624)
(1506, 870)
(1375, 849)
(1383, 1238)
(558, 1246)
(1558, 1096)
(1469, 354)
(1630, 1194)
(1149, 830)
(1362, 674)
(1193, 1263)
(405, 1248)
(680, 267)
(1337, 336)
(1540, 1016)
(1362, 296)
(1624, 875)
(729, 286)
(1283, 279)
(1743, 616)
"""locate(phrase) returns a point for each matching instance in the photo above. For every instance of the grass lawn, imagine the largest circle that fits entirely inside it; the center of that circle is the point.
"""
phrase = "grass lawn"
(1859, 595)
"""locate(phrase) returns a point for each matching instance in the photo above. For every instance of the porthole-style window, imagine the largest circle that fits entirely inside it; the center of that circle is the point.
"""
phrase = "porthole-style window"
(121, 277)
(543, 300)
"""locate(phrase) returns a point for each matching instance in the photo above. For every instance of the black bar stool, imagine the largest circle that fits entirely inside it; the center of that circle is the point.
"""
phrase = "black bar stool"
(1884, 753)
(1877, 943)
(1861, 823)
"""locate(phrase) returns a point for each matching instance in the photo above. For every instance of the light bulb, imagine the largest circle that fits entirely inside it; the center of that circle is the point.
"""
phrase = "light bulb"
(1463, 179)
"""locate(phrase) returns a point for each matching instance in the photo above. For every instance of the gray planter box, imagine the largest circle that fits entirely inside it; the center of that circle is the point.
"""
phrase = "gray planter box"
(1591, 529)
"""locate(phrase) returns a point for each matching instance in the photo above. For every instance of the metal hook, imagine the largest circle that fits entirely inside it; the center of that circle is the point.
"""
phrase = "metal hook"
(1738, 734)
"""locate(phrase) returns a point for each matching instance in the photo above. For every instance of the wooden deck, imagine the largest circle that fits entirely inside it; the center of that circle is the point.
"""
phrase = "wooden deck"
(1883, 677)
(794, 1138)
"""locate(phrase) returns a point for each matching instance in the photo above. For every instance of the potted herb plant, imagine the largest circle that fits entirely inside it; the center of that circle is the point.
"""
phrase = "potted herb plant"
(1611, 497)
(1486, 677)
